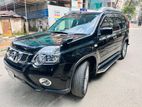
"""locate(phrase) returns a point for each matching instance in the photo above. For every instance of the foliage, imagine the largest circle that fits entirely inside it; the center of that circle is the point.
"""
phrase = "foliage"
(129, 10)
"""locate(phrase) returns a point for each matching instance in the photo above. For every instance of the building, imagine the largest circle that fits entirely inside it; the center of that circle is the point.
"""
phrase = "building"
(11, 23)
(35, 11)
(97, 4)
(120, 4)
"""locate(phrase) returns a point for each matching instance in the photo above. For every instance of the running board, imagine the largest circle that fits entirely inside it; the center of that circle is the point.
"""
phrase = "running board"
(107, 66)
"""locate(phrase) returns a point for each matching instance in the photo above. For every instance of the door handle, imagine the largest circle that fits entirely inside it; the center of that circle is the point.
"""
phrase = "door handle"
(102, 38)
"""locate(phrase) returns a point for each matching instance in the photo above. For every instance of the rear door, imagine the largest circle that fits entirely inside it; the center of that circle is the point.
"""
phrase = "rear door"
(117, 33)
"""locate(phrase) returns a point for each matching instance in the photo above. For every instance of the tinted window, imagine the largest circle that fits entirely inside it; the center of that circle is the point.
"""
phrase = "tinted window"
(123, 22)
(110, 21)
(116, 23)
(107, 22)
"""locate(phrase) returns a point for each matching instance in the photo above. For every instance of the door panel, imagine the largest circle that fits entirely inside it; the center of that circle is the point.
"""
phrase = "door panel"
(117, 32)
(105, 41)
(6, 26)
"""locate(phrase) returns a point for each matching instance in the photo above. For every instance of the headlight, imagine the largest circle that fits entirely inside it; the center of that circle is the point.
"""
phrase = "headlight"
(47, 55)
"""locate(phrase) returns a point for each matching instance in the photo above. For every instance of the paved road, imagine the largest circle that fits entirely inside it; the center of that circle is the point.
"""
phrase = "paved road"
(121, 86)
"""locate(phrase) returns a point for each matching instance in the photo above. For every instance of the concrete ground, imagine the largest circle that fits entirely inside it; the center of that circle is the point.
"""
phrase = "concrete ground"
(120, 86)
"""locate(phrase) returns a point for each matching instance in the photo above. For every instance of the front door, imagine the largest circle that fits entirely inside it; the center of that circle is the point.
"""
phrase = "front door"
(105, 41)
(6, 27)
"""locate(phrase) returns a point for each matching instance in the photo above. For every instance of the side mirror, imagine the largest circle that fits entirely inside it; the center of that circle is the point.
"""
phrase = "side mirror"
(106, 31)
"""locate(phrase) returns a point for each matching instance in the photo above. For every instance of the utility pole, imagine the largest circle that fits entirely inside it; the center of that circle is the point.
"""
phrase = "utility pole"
(26, 16)
(46, 4)
(14, 6)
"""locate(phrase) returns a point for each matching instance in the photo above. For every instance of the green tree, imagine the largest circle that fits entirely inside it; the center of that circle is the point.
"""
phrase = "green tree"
(129, 10)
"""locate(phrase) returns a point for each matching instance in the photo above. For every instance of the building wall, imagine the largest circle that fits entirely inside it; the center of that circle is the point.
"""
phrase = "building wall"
(35, 24)
(96, 4)
(17, 25)
(1, 31)
(120, 4)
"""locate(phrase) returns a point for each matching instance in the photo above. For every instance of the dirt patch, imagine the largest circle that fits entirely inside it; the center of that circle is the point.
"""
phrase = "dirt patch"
(4, 44)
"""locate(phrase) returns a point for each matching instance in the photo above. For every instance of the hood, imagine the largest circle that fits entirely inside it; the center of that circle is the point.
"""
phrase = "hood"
(44, 39)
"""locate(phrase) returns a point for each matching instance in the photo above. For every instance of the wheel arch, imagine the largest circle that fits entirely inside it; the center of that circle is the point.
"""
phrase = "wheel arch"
(92, 63)
(126, 39)
(90, 59)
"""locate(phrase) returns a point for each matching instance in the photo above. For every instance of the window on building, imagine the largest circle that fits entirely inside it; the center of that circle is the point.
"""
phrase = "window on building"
(95, 4)
(64, 3)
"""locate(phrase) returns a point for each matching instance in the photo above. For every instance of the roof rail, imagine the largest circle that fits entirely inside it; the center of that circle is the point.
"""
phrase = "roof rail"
(103, 9)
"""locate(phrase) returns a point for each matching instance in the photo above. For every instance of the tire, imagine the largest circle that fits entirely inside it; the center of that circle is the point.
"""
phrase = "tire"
(123, 50)
(80, 80)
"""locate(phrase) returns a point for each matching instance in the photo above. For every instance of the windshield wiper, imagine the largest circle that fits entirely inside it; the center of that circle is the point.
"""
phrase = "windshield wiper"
(59, 32)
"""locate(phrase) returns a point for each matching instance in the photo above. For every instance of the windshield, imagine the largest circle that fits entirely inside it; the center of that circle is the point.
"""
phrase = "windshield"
(75, 24)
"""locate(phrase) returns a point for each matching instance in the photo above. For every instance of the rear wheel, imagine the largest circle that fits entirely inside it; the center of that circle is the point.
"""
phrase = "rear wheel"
(124, 50)
(80, 80)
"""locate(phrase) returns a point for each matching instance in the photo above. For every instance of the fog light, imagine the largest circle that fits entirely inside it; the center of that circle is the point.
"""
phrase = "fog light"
(45, 82)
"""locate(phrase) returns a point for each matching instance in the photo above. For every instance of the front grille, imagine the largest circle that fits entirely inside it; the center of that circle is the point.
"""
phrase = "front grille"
(17, 56)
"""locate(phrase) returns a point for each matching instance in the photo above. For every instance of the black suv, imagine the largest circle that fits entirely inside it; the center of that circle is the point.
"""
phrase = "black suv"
(76, 46)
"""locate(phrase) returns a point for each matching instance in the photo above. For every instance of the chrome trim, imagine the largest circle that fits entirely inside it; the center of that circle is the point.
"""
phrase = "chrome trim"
(21, 55)
(20, 51)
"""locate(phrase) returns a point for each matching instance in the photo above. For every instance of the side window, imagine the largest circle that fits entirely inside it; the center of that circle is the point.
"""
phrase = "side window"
(123, 22)
(110, 21)
(116, 23)
(119, 22)
(105, 23)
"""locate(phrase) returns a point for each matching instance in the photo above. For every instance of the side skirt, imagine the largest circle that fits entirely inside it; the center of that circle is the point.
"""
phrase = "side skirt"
(108, 63)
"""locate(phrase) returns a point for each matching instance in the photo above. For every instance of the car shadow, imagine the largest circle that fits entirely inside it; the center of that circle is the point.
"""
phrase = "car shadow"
(99, 76)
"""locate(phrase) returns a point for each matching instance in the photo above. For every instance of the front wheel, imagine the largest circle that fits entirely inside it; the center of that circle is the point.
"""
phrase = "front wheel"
(123, 51)
(80, 80)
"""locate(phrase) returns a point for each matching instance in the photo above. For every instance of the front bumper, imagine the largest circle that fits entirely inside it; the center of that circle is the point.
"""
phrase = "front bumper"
(58, 75)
